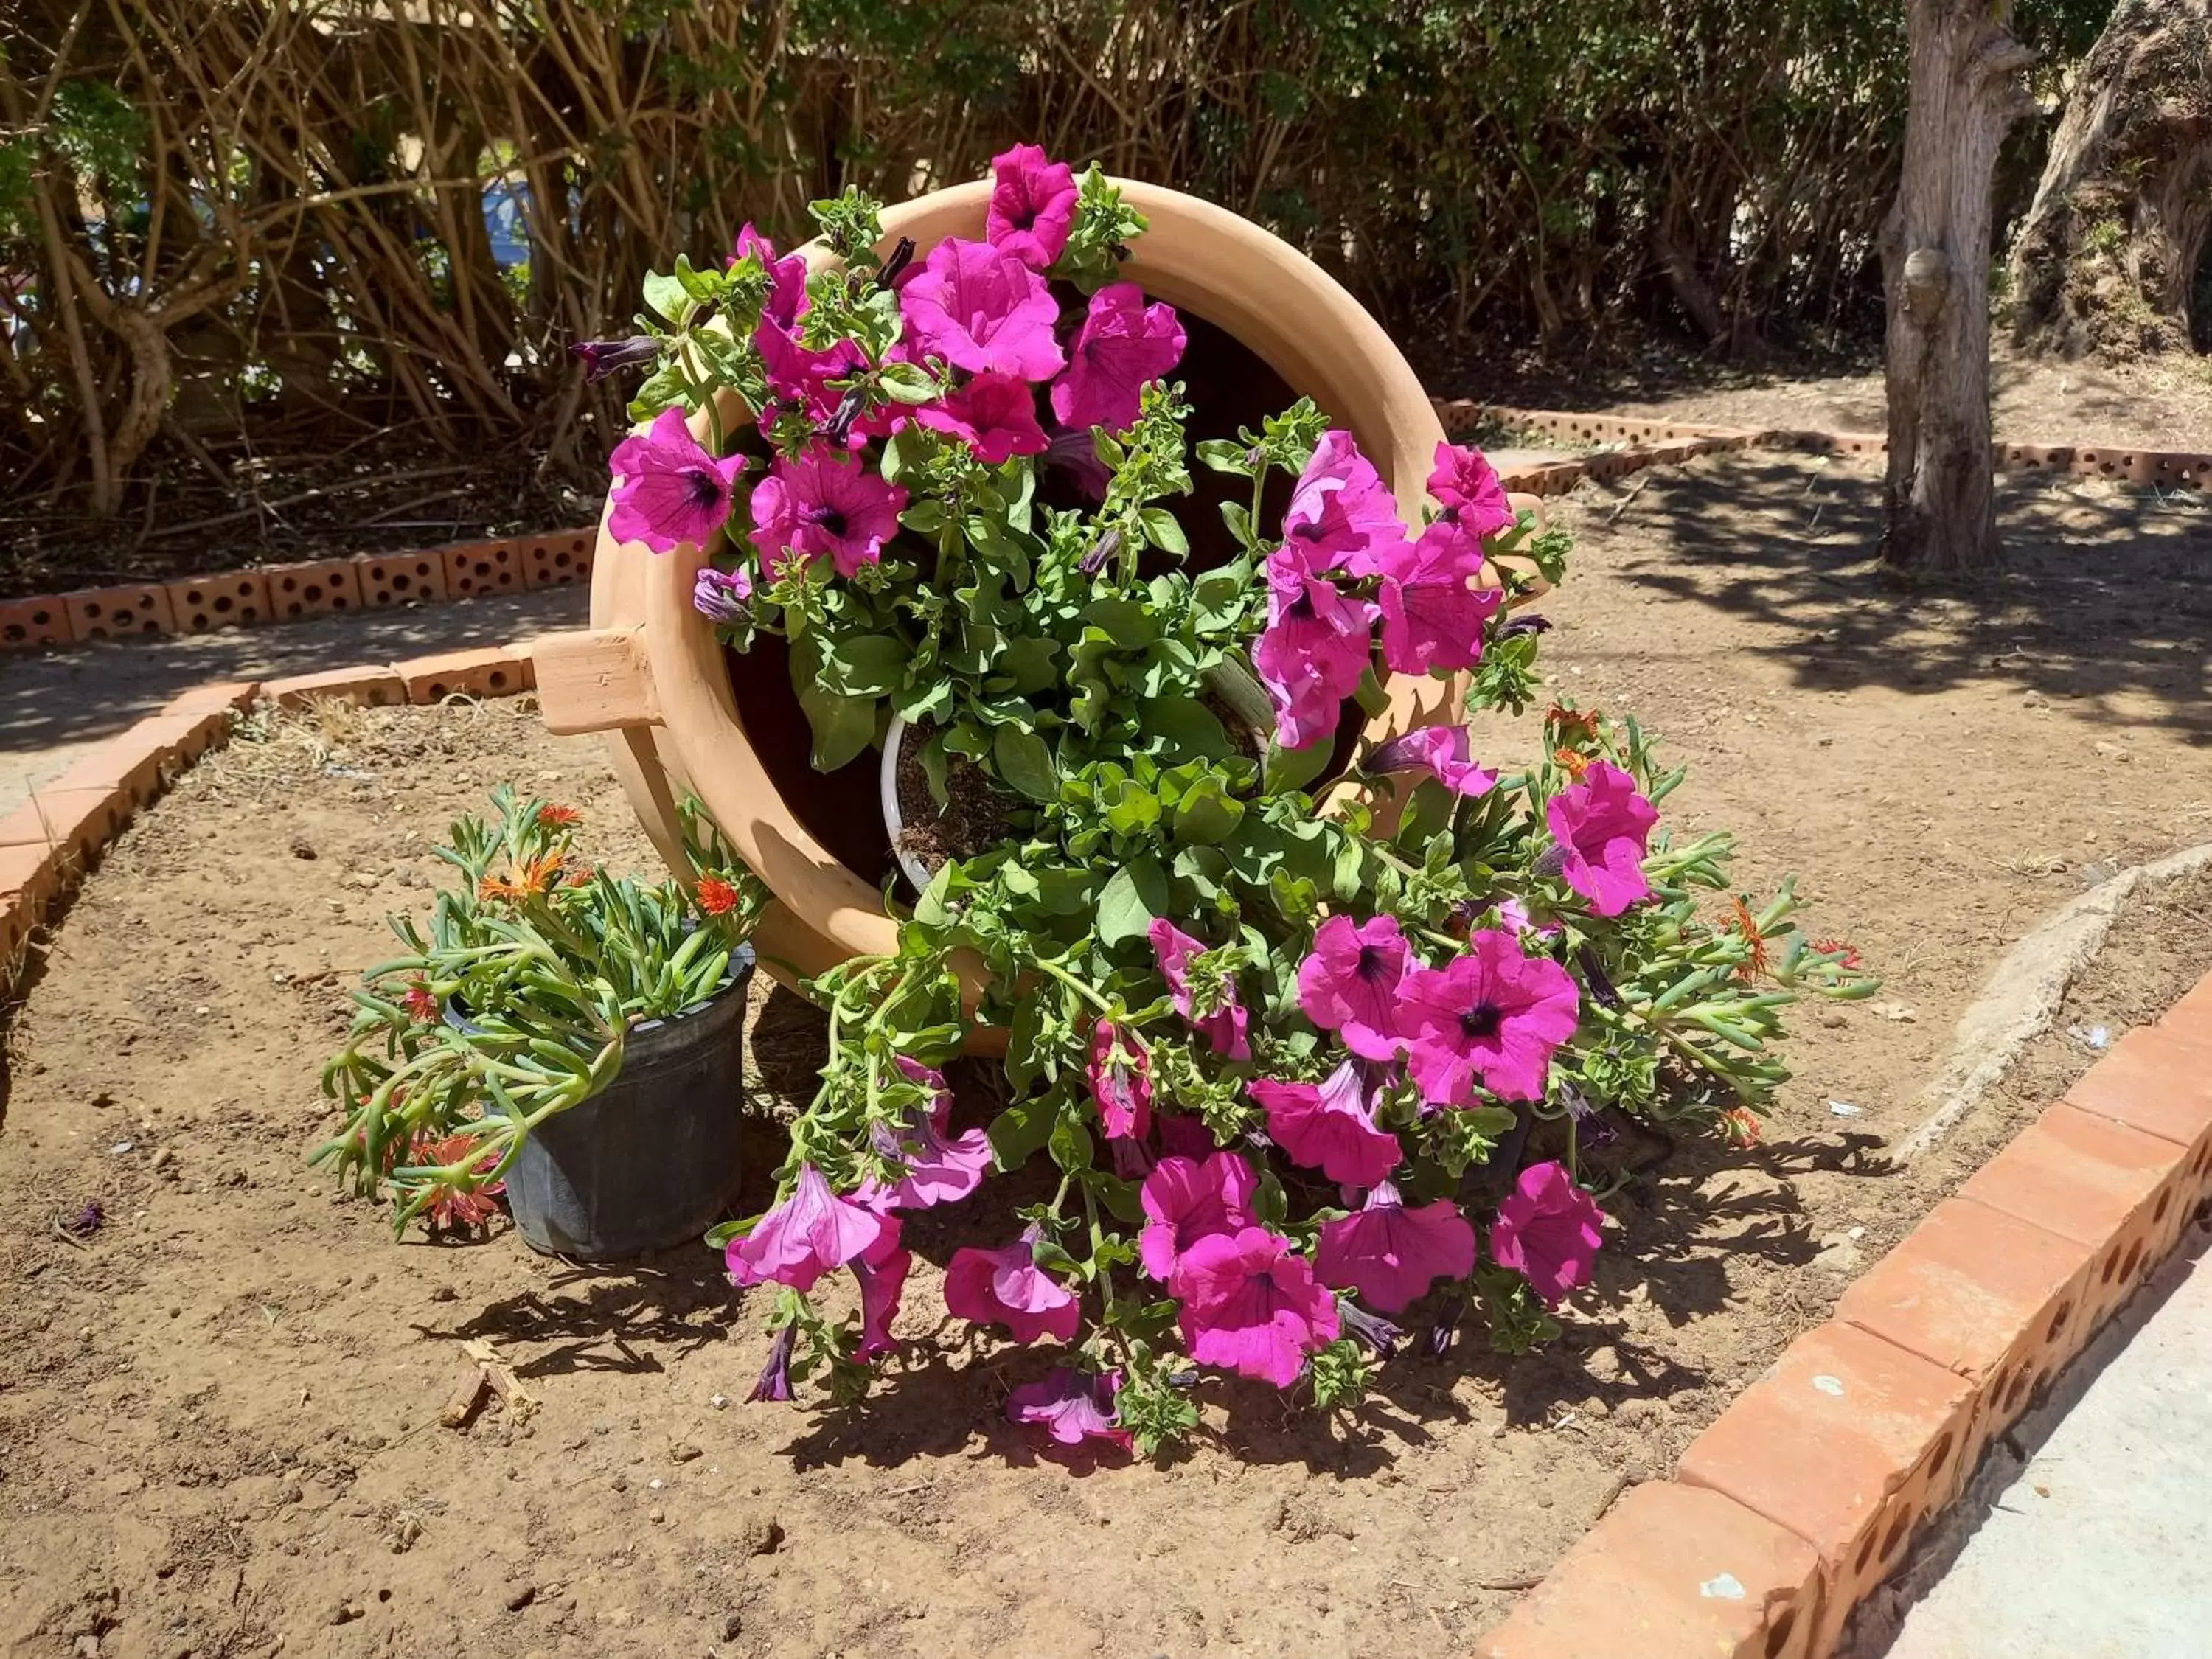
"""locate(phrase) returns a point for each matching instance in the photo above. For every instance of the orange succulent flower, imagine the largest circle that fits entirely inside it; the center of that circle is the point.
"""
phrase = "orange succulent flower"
(453, 1207)
(525, 881)
(717, 897)
(1846, 953)
(1580, 722)
(420, 1006)
(558, 817)
(1745, 923)
(1572, 764)
(1740, 1127)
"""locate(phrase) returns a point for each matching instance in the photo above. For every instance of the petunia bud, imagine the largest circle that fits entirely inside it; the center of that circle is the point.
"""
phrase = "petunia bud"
(894, 267)
(1096, 560)
(721, 596)
(774, 1381)
(1524, 625)
(1377, 1332)
(1601, 985)
(1439, 1342)
(603, 357)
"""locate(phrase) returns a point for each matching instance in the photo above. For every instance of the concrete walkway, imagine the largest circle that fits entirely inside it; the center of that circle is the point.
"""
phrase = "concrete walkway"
(2102, 1547)
(55, 703)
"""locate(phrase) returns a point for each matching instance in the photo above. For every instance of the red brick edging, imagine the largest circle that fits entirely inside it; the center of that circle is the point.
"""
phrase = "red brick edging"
(284, 592)
(1809, 1489)
(1656, 443)
(46, 846)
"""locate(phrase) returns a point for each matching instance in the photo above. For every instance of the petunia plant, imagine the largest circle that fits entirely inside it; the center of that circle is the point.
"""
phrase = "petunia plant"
(1307, 1035)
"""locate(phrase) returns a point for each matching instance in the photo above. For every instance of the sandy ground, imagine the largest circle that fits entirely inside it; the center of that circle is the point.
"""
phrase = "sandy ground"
(218, 1418)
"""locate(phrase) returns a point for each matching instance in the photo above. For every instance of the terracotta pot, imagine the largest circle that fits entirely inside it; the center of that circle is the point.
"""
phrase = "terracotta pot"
(652, 674)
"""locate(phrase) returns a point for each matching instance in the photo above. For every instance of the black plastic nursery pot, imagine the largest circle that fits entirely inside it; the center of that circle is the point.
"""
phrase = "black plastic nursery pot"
(651, 1161)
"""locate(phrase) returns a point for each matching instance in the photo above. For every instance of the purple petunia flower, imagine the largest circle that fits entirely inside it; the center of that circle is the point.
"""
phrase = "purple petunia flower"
(1251, 1303)
(1316, 645)
(881, 1271)
(1186, 1200)
(1492, 1014)
(668, 489)
(1601, 825)
(722, 596)
(1467, 489)
(1225, 1028)
(1390, 1253)
(1348, 983)
(809, 1234)
(606, 357)
(775, 1383)
(1432, 612)
(1442, 751)
(1329, 1127)
(995, 414)
(1033, 200)
(1006, 1287)
(1073, 1405)
(819, 504)
(1548, 1229)
(1341, 515)
(1123, 343)
(982, 309)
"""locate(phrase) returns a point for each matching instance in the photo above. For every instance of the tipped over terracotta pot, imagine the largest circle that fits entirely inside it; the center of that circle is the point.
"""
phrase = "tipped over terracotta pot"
(680, 714)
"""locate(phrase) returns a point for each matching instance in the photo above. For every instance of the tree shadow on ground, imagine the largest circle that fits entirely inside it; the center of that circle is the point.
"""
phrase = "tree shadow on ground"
(2102, 593)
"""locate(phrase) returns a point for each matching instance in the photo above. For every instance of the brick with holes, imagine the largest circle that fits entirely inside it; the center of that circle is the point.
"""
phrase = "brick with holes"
(371, 684)
(2158, 1078)
(2124, 1194)
(235, 599)
(113, 613)
(42, 619)
(216, 697)
(1995, 1299)
(1671, 1572)
(313, 589)
(473, 568)
(388, 578)
(1849, 1442)
(561, 556)
(494, 671)
(81, 823)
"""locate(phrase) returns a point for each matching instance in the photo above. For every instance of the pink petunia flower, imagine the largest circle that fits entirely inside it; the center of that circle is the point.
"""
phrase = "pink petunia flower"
(1491, 1014)
(1548, 1229)
(1442, 751)
(819, 504)
(1073, 1405)
(1123, 343)
(995, 414)
(1348, 983)
(1033, 201)
(882, 1271)
(1006, 1287)
(1390, 1253)
(668, 489)
(938, 1170)
(787, 300)
(1329, 1127)
(809, 1234)
(1432, 613)
(1341, 515)
(1225, 1028)
(1250, 1303)
(1601, 825)
(801, 378)
(1316, 645)
(1121, 1082)
(1467, 489)
(980, 308)
(1186, 1201)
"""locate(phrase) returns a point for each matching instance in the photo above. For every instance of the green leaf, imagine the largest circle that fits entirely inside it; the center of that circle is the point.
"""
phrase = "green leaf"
(1207, 813)
(1294, 768)
(1018, 1132)
(1024, 760)
(864, 665)
(1071, 1143)
(665, 293)
(1131, 809)
(907, 383)
(1162, 530)
(1136, 895)
(1188, 728)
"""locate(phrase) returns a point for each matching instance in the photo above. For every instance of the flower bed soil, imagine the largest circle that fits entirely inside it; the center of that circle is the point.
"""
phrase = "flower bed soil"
(219, 1413)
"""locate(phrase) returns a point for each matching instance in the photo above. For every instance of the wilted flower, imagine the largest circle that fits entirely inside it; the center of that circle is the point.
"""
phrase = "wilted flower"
(774, 1381)
(1442, 750)
(721, 596)
(603, 357)
(1467, 489)
(1006, 1287)
(881, 1270)
(1073, 1405)
(1224, 1026)
(1120, 1081)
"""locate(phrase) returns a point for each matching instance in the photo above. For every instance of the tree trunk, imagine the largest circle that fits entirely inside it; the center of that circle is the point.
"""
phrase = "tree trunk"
(2106, 257)
(1965, 91)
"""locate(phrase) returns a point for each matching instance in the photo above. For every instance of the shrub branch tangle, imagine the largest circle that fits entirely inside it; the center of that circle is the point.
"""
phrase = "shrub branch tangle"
(264, 216)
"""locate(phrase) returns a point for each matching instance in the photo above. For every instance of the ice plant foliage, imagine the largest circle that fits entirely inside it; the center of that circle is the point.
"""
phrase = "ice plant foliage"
(1269, 995)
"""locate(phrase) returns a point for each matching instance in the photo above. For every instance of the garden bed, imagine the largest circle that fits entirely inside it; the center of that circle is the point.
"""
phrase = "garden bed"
(221, 1414)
